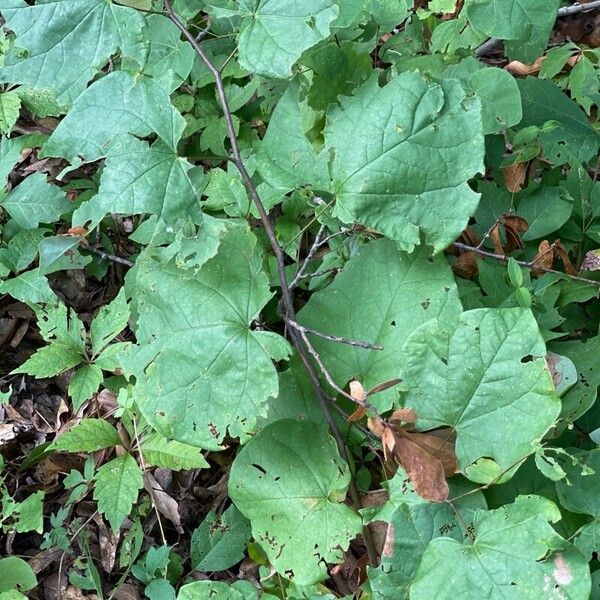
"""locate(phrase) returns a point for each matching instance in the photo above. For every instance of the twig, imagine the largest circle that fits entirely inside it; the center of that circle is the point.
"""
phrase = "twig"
(319, 273)
(493, 43)
(286, 293)
(531, 264)
(111, 257)
(313, 250)
(578, 8)
(334, 338)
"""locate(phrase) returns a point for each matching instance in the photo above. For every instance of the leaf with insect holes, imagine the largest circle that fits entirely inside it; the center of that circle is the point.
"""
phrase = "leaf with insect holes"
(487, 378)
(402, 156)
(381, 296)
(514, 553)
(290, 482)
(116, 488)
(412, 523)
(89, 435)
(201, 371)
(220, 540)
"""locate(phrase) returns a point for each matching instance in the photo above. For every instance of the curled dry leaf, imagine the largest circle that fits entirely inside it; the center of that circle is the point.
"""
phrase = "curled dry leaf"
(514, 227)
(544, 258)
(465, 265)
(561, 252)
(516, 67)
(515, 176)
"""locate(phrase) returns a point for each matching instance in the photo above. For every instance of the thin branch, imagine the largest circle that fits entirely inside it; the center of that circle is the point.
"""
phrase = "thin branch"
(528, 264)
(319, 273)
(111, 257)
(334, 338)
(288, 301)
(313, 250)
(493, 43)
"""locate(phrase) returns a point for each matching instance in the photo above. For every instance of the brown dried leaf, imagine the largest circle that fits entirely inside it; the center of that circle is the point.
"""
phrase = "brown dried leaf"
(516, 67)
(465, 265)
(515, 176)
(495, 235)
(408, 415)
(564, 256)
(165, 504)
(514, 226)
(386, 385)
(426, 462)
(357, 391)
(543, 259)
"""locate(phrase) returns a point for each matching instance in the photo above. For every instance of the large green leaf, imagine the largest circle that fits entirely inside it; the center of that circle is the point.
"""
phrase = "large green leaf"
(201, 371)
(515, 554)
(511, 19)
(139, 178)
(118, 103)
(274, 33)
(67, 42)
(487, 378)
(412, 523)
(381, 296)
(290, 482)
(402, 157)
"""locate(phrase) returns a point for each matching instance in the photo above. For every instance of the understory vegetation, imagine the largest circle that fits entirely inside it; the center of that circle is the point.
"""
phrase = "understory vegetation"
(299, 299)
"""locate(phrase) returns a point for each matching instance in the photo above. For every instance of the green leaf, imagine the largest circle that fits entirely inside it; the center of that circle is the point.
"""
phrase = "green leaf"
(488, 379)
(545, 211)
(209, 590)
(84, 383)
(35, 201)
(117, 485)
(290, 482)
(28, 287)
(511, 19)
(200, 370)
(412, 524)
(10, 104)
(500, 99)
(286, 159)
(95, 121)
(220, 541)
(402, 157)
(67, 42)
(381, 296)
(578, 492)
(59, 253)
(274, 33)
(574, 140)
(16, 573)
(167, 58)
(515, 553)
(50, 360)
(89, 435)
(139, 178)
(389, 13)
(22, 249)
(109, 322)
(30, 514)
(161, 452)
